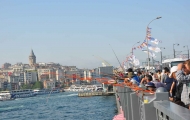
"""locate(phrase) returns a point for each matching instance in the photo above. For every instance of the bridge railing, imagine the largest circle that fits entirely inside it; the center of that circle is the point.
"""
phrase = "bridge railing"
(146, 106)
(166, 110)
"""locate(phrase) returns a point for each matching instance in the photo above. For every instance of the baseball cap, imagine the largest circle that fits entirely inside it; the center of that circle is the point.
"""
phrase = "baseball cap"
(150, 84)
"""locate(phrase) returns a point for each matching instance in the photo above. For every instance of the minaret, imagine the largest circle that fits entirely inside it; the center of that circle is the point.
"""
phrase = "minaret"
(32, 58)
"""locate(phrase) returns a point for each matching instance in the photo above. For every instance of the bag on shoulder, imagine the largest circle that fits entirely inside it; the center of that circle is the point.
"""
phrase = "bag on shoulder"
(179, 90)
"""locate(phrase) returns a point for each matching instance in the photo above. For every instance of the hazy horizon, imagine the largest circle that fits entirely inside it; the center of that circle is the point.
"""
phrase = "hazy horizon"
(73, 32)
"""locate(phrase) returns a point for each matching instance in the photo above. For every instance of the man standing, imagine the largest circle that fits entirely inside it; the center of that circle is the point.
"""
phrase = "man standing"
(165, 75)
(183, 75)
(140, 76)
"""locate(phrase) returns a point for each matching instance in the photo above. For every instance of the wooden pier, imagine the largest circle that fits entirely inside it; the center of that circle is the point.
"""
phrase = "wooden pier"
(95, 93)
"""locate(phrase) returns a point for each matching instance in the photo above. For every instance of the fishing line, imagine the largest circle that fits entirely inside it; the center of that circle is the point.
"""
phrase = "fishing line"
(117, 58)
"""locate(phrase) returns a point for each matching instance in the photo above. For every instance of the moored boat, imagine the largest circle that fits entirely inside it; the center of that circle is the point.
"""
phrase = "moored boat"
(55, 91)
(45, 91)
(6, 95)
(41, 92)
(23, 93)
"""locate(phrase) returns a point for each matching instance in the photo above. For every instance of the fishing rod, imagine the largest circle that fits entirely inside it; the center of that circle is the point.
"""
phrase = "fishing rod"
(107, 64)
(117, 59)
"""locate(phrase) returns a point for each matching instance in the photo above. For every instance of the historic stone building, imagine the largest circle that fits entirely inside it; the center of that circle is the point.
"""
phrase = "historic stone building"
(32, 59)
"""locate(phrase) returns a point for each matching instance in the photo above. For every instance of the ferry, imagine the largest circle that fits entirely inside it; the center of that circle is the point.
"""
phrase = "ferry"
(23, 93)
(89, 88)
(45, 91)
(68, 89)
(83, 88)
(54, 91)
(97, 87)
(41, 92)
(6, 95)
(77, 88)
(74, 88)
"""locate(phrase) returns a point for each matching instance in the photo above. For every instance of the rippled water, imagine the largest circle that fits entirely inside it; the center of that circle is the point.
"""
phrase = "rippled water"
(61, 106)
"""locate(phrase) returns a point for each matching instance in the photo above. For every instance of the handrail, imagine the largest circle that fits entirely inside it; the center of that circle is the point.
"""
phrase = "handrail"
(158, 106)
(167, 109)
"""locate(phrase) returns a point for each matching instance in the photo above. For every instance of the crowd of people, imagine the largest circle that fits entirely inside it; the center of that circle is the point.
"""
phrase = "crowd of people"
(175, 80)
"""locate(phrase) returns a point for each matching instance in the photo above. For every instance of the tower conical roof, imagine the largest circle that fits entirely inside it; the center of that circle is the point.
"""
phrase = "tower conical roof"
(32, 53)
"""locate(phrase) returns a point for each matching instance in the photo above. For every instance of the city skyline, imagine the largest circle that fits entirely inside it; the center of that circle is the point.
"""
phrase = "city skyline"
(71, 32)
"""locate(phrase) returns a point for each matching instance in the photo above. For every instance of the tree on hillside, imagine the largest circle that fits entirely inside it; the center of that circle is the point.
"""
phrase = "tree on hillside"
(38, 85)
(26, 86)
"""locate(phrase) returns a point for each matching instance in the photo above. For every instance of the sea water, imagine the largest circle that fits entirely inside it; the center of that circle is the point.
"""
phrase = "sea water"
(60, 106)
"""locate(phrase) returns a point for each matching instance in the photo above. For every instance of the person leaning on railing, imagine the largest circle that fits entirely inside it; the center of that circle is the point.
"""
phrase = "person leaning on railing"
(183, 75)
(140, 76)
(144, 80)
(176, 89)
(175, 92)
(169, 81)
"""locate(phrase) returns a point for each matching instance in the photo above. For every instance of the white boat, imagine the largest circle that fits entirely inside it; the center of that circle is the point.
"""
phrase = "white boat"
(68, 89)
(6, 95)
(73, 88)
(41, 92)
(89, 88)
(76, 88)
(83, 88)
(98, 88)
(23, 93)
(55, 91)
(45, 91)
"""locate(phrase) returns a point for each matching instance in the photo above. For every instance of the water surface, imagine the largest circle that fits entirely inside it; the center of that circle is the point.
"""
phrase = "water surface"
(61, 106)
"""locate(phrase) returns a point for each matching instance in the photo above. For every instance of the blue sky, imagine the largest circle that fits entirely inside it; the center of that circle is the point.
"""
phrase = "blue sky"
(70, 32)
